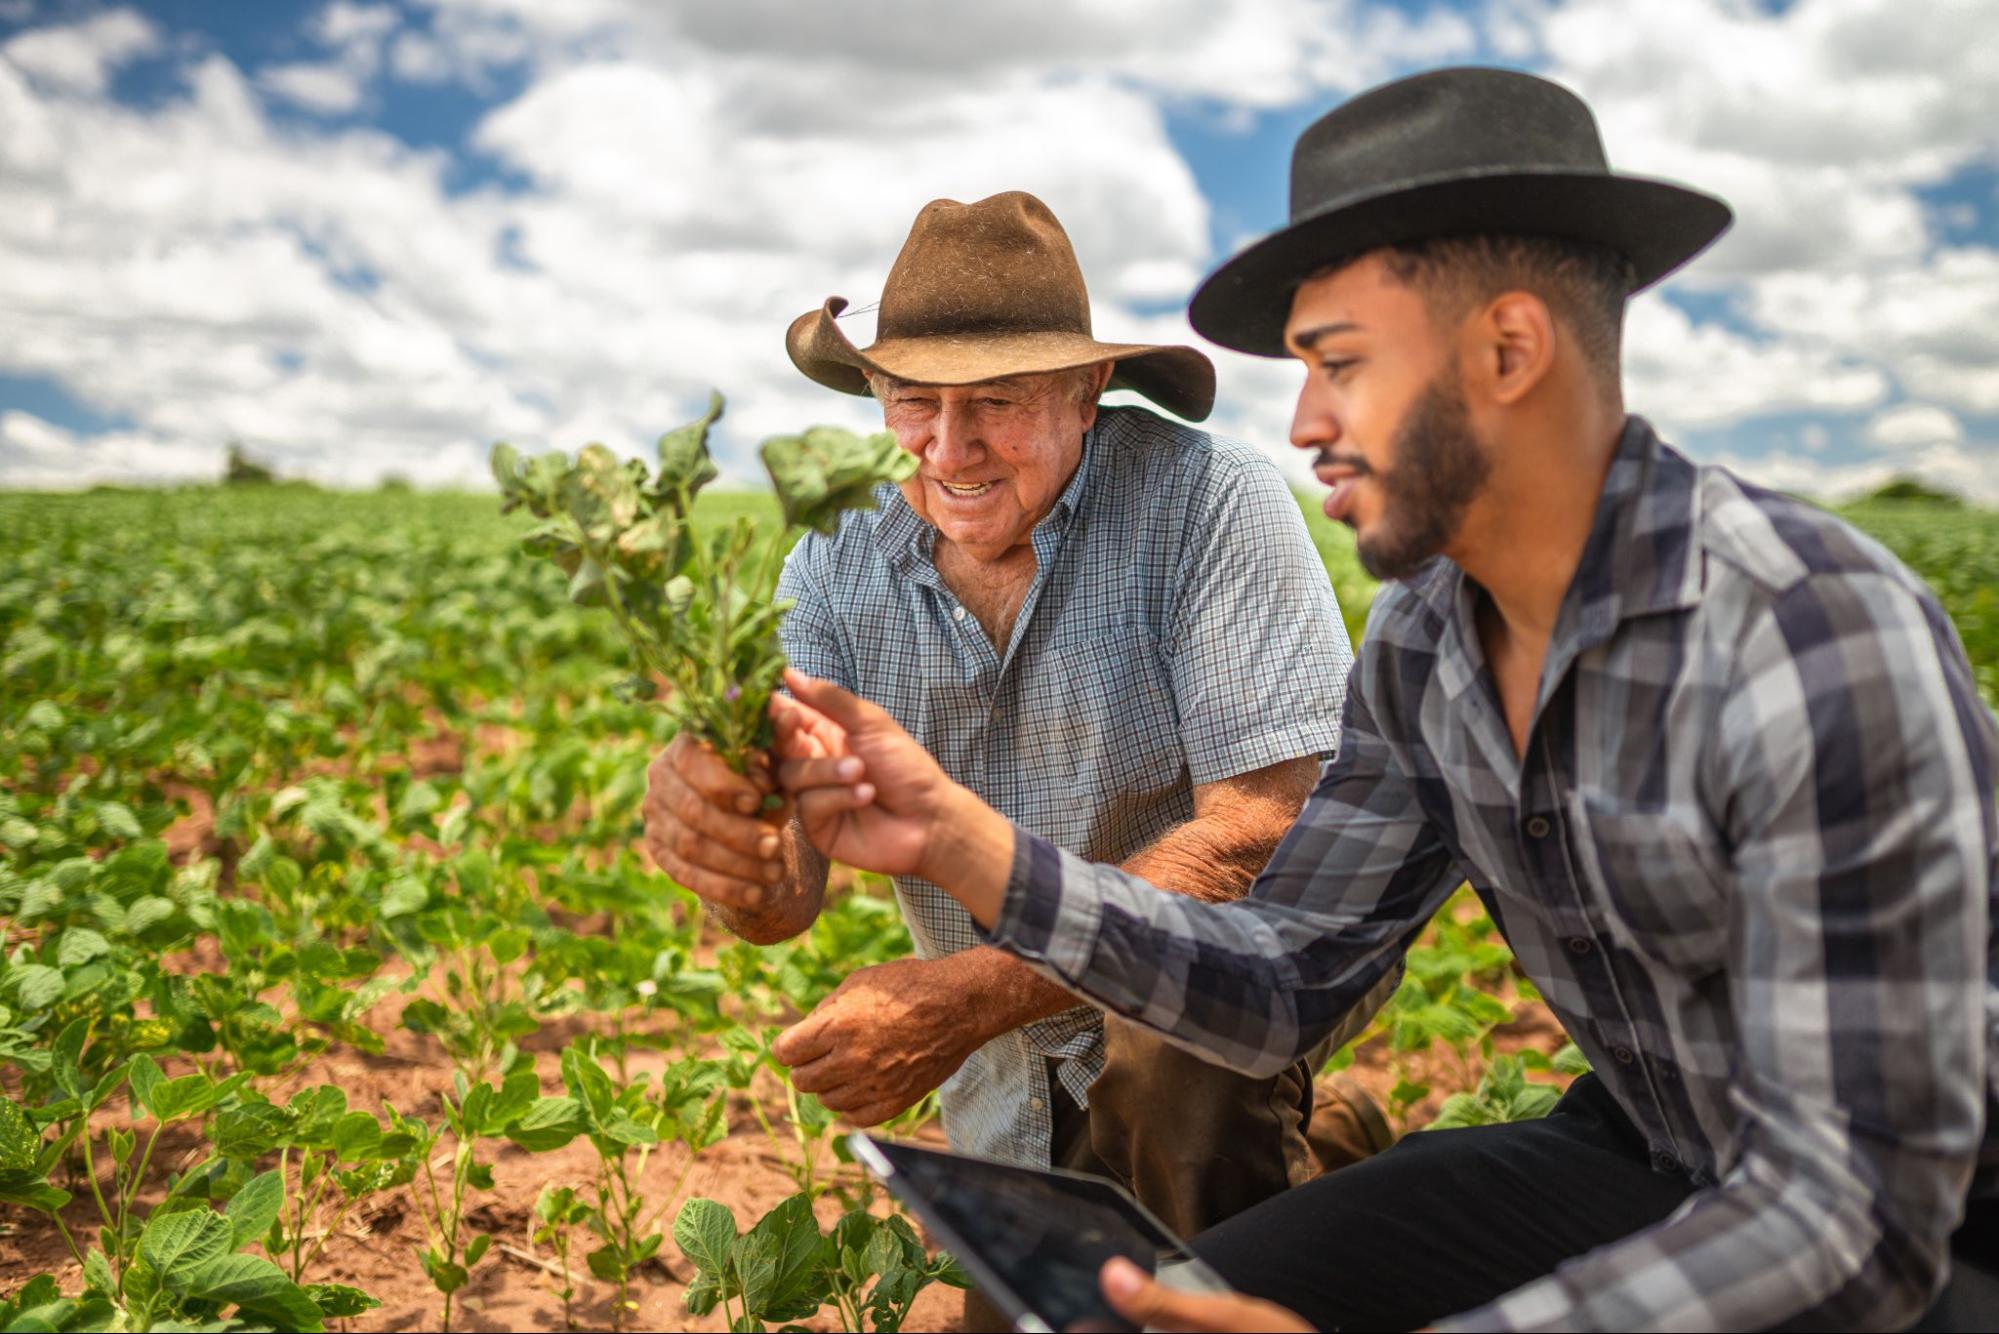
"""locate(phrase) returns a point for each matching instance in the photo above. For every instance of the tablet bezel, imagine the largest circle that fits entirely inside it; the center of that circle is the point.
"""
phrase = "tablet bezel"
(868, 1152)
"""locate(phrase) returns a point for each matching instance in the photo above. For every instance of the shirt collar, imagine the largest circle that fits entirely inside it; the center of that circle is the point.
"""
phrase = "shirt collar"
(1639, 560)
(905, 539)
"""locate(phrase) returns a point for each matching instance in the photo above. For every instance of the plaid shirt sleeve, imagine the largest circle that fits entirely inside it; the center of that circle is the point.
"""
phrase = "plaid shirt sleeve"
(1258, 982)
(1855, 763)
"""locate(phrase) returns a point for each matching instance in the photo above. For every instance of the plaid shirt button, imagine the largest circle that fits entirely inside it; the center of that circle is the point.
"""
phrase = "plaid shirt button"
(1580, 945)
(1537, 828)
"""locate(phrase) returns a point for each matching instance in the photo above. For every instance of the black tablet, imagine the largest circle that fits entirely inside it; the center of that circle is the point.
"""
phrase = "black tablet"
(1034, 1241)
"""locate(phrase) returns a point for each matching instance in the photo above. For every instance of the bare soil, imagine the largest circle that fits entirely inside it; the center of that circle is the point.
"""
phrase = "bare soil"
(515, 1287)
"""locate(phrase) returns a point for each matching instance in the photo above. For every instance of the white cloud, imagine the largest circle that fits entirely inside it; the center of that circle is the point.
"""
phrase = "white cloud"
(699, 173)
(80, 58)
(415, 58)
(1908, 425)
(327, 87)
(1684, 374)
(344, 24)
(1970, 472)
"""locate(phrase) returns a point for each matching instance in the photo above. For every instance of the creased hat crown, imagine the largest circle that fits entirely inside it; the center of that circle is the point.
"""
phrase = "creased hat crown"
(1447, 122)
(1001, 265)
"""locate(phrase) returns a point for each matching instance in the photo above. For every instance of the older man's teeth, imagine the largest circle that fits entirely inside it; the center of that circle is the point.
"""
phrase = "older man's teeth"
(977, 489)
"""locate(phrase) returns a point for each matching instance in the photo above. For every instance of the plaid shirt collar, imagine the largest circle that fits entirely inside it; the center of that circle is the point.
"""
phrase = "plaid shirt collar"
(1639, 561)
(907, 539)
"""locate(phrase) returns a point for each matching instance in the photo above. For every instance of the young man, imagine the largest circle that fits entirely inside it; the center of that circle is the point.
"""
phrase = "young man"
(1713, 759)
(1064, 605)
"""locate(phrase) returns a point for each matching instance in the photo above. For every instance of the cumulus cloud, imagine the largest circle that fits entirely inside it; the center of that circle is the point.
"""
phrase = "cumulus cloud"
(81, 57)
(1908, 425)
(328, 88)
(684, 179)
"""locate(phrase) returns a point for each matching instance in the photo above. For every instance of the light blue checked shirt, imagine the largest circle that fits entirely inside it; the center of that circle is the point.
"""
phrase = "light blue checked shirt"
(1180, 630)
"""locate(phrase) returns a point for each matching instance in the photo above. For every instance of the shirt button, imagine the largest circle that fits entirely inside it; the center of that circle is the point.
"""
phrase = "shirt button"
(1537, 828)
(1036, 1103)
(1623, 1055)
(1665, 1160)
(958, 614)
(1579, 945)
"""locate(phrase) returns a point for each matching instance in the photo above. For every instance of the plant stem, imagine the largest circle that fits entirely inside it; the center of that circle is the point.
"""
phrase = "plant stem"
(67, 1239)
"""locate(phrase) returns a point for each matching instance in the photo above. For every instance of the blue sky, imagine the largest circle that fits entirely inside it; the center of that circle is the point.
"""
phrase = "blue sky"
(368, 238)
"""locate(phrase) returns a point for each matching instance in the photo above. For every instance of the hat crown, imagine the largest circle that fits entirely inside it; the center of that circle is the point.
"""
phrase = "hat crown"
(1446, 122)
(1001, 265)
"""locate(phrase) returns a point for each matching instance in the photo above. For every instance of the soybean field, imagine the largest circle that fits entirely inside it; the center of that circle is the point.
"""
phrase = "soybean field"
(338, 992)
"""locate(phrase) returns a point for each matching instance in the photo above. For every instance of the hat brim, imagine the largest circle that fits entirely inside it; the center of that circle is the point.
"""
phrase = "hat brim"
(1657, 225)
(1179, 379)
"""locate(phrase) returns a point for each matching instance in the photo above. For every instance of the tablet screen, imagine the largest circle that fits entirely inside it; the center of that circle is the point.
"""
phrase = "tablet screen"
(1044, 1235)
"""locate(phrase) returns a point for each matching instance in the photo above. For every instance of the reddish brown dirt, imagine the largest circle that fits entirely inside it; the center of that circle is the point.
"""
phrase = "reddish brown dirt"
(377, 1247)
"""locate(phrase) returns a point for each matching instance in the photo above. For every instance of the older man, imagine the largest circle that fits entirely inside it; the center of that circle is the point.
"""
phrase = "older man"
(1111, 626)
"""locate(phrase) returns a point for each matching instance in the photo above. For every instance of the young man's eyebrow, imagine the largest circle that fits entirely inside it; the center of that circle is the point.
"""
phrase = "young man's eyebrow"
(1305, 338)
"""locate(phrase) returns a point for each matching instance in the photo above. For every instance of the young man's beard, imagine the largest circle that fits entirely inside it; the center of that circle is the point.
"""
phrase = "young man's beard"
(1439, 469)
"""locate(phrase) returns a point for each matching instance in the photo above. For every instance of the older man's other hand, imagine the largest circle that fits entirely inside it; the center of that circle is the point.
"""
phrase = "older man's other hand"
(706, 827)
(1150, 1304)
(885, 1037)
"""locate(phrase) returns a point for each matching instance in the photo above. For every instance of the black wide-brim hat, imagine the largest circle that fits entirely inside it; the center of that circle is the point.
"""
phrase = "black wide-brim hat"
(1453, 152)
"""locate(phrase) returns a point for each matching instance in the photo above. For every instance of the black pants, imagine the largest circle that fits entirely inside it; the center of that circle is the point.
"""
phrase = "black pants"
(1450, 1219)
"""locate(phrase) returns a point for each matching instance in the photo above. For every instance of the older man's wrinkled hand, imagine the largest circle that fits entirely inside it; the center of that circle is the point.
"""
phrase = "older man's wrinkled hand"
(885, 1037)
(706, 827)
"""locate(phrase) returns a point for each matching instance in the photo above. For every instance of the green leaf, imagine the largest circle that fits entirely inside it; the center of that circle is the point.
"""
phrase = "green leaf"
(1571, 1061)
(606, 1263)
(148, 912)
(683, 452)
(337, 1301)
(444, 1275)
(146, 1081)
(255, 1285)
(79, 945)
(175, 1245)
(97, 1276)
(826, 471)
(705, 1231)
(35, 1195)
(477, 1250)
(20, 1141)
(704, 1294)
(551, 1123)
(355, 1136)
(780, 1262)
(403, 897)
(66, 1057)
(37, 986)
(117, 821)
(253, 1209)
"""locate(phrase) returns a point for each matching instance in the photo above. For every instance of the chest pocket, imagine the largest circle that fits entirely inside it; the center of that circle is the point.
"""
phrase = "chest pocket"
(1117, 732)
(1662, 888)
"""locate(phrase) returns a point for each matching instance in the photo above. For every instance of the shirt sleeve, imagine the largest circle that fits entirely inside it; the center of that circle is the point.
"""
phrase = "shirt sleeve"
(810, 633)
(1256, 983)
(1857, 766)
(1256, 648)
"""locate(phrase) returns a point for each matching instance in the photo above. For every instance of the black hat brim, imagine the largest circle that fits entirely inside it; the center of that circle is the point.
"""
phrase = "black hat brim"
(1657, 225)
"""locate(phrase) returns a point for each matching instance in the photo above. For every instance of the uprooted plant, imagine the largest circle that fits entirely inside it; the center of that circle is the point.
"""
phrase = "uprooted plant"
(697, 608)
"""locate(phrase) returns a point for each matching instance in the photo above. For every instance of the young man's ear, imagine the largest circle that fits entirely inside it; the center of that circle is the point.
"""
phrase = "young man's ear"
(1514, 346)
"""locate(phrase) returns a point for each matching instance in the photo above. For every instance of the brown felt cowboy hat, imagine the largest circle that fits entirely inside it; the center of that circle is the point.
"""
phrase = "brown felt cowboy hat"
(1453, 152)
(987, 290)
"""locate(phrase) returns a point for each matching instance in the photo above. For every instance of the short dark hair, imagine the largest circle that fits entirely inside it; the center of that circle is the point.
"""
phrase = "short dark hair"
(1585, 285)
